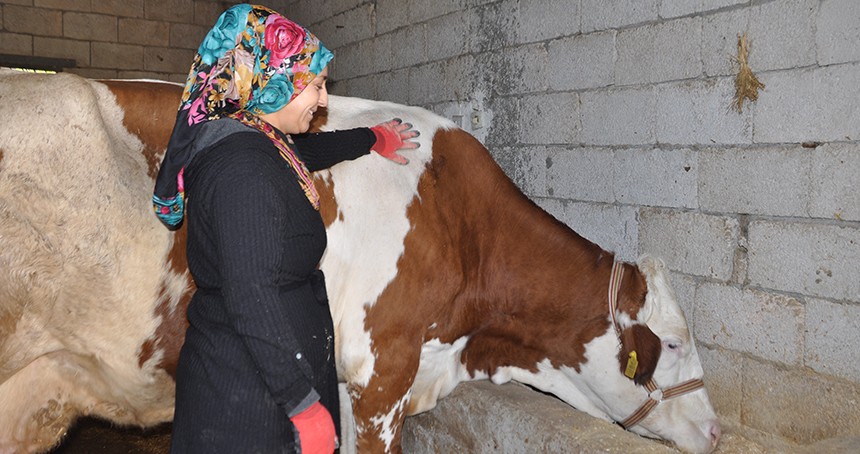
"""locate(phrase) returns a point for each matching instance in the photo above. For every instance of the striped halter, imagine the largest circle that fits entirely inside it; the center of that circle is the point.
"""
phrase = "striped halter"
(656, 395)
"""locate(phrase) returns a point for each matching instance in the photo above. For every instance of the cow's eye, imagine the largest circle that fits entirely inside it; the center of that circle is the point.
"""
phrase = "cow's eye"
(673, 346)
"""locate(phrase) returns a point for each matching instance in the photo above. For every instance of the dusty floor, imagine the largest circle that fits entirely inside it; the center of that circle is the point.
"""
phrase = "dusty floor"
(91, 436)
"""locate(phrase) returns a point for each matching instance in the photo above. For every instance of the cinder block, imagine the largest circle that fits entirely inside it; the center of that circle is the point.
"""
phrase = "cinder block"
(526, 167)
(837, 115)
(720, 41)
(339, 6)
(62, 48)
(516, 70)
(22, 19)
(506, 116)
(153, 33)
(612, 227)
(723, 380)
(834, 182)
(442, 81)
(448, 35)
(618, 116)
(691, 243)
(425, 83)
(540, 21)
(421, 10)
(766, 325)
(161, 59)
(351, 61)
(798, 405)
(16, 44)
(808, 105)
(411, 46)
(185, 36)
(772, 180)
(94, 27)
(656, 177)
(781, 34)
(582, 174)
(170, 10)
(550, 119)
(206, 13)
(837, 32)
(605, 14)
(659, 52)
(391, 15)
(363, 87)
(832, 339)
(787, 109)
(393, 86)
(685, 293)
(676, 8)
(130, 8)
(120, 56)
(494, 26)
(381, 49)
(345, 28)
(65, 5)
(582, 61)
(817, 259)
(697, 112)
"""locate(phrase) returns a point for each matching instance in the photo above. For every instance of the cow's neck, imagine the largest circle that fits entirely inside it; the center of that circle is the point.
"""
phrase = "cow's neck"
(524, 269)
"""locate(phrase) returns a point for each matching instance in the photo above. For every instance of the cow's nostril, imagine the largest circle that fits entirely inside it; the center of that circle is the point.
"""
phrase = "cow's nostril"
(715, 433)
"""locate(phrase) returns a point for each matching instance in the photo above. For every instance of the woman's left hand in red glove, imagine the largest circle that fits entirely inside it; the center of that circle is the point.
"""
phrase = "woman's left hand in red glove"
(394, 135)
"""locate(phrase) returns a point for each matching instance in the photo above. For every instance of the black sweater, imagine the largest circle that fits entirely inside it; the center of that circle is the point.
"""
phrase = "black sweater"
(254, 244)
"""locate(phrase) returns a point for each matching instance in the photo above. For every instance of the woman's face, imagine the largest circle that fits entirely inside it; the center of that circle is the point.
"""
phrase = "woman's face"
(296, 116)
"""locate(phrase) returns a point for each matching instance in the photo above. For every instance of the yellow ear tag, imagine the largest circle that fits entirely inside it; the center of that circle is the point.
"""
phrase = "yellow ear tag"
(632, 364)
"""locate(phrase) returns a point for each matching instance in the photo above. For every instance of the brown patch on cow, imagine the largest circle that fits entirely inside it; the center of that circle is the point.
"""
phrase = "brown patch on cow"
(1, 155)
(170, 333)
(328, 204)
(640, 339)
(319, 120)
(150, 112)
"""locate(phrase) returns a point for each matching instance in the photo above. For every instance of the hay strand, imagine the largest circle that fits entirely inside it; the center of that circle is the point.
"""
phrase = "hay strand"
(747, 84)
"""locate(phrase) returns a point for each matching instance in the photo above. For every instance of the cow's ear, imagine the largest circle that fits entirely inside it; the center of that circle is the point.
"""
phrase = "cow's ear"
(640, 350)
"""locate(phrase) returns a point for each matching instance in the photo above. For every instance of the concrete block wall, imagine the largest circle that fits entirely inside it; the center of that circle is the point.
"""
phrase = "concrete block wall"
(615, 117)
(126, 39)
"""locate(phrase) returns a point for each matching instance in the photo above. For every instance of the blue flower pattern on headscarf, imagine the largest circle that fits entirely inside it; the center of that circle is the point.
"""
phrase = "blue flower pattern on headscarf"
(223, 35)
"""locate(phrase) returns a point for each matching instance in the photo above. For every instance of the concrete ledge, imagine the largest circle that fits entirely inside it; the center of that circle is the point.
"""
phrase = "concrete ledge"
(480, 417)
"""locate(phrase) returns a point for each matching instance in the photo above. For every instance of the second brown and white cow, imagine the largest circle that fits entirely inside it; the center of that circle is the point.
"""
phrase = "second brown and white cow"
(439, 272)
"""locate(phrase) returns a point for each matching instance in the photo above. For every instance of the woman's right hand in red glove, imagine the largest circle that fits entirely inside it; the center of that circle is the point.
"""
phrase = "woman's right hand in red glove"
(394, 135)
(316, 430)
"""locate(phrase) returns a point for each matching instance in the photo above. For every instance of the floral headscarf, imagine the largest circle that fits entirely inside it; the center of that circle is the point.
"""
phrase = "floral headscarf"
(253, 61)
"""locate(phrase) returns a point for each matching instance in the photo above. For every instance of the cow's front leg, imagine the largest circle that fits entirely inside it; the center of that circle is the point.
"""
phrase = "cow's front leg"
(380, 407)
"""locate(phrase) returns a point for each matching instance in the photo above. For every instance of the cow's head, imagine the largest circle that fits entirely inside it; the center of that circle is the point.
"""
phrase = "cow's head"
(667, 358)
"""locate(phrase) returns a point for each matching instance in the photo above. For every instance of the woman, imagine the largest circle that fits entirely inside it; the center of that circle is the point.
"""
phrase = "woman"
(256, 372)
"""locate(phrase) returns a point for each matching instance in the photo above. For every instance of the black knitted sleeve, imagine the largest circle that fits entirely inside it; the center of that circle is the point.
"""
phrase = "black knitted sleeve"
(248, 213)
(324, 149)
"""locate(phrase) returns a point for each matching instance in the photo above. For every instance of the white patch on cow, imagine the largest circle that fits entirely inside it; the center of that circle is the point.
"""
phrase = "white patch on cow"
(388, 422)
(371, 226)
(439, 371)
(77, 254)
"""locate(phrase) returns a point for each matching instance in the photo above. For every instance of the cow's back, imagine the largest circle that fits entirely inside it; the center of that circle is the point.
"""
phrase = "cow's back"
(76, 247)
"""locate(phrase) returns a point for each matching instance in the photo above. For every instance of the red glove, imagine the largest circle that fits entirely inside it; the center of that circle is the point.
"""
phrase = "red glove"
(391, 136)
(316, 430)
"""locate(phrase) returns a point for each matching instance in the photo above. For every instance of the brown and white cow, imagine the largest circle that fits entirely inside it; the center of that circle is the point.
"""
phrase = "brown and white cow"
(439, 272)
